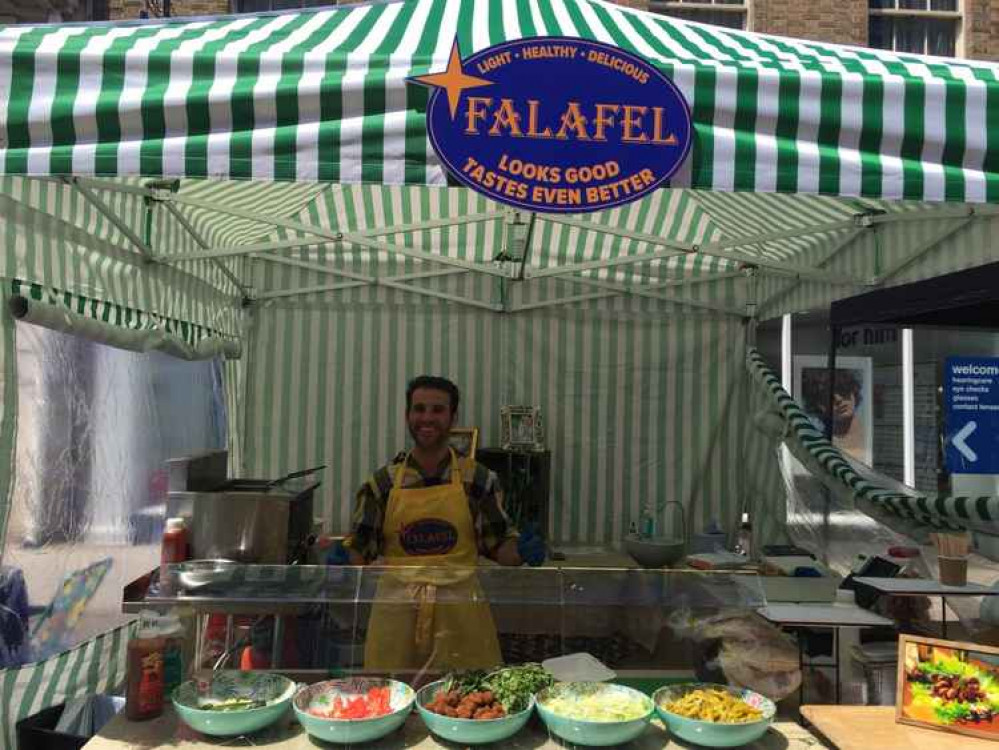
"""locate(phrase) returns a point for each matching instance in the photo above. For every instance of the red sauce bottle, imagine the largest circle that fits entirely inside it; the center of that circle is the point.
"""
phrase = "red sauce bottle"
(174, 550)
(144, 691)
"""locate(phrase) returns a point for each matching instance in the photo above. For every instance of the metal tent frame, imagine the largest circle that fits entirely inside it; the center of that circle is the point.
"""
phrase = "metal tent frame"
(747, 257)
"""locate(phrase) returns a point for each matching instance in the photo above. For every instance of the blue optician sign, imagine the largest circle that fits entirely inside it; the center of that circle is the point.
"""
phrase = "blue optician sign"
(971, 403)
(557, 125)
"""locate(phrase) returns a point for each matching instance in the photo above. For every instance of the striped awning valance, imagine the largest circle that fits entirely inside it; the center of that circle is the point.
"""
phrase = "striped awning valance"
(322, 95)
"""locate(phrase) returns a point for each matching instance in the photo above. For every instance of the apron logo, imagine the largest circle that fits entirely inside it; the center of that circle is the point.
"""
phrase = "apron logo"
(428, 536)
(557, 125)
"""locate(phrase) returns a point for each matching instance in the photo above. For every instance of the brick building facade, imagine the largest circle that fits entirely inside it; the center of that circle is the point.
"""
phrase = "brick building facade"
(965, 28)
(839, 21)
(178, 8)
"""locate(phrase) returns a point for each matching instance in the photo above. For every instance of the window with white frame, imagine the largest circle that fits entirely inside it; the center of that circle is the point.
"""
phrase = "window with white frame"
(924, 27)
(264, 6)
(733, 14)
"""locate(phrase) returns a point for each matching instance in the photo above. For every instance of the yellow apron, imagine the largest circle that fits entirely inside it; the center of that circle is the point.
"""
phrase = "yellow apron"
(438, 619)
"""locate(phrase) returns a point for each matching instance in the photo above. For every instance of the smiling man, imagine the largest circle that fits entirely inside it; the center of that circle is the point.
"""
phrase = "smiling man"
(432, 518)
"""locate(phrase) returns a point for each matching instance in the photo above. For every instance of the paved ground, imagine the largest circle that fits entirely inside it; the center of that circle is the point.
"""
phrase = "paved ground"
(45, 568)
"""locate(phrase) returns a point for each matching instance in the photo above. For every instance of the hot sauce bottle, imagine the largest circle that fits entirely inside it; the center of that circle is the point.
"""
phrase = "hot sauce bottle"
(144, 695)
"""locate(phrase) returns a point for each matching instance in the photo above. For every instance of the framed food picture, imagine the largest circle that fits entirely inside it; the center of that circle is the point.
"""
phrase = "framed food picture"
(947, 685)
(521, 428)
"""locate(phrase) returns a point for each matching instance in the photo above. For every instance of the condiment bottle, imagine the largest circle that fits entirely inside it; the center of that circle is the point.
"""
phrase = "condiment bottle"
(174, 550)
(144, 693)
(172, 633)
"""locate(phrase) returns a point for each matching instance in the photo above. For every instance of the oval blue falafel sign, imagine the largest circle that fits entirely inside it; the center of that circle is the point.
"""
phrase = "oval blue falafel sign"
(557, 125)
(428, 536)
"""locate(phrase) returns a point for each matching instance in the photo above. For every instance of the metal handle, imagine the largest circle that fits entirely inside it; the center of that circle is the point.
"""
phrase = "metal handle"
(683, 517)
(294, 475)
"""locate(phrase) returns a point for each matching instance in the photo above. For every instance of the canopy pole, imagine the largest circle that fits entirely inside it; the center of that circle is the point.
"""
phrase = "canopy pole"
(360, 238)
(554, 302)
(639, 292)
(317, 267)
(196, 236)
(827, 495)
(841, 246)
(528, 239)
(111, 216)
(304, 290)
(928, 246)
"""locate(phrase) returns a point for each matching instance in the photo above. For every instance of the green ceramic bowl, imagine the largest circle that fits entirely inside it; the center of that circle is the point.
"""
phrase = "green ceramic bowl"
(710, 733)
(190, 698)
(468, 731)
(347, 731)
(589, 732)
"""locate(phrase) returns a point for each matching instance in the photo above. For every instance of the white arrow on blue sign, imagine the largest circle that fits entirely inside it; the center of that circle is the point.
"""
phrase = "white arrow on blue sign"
(971, 407)
(962, 447)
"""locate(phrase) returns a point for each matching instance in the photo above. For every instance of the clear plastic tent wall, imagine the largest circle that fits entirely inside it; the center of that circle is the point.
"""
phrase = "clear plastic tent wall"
(804, 491)
(811, 494)
(96, 425)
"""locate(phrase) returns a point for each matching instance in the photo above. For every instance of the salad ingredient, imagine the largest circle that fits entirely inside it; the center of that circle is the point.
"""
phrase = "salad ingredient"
(232, 704)
(599, 707)
(512, 687)
(480, 705)
(376, 702)
(515, 686)
(714, 705)
(463, 683)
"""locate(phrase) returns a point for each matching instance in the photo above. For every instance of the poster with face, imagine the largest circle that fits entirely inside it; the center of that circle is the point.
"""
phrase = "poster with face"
(852, 424)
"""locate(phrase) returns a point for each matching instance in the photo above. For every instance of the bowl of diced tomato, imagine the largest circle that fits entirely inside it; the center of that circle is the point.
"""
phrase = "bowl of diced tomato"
(358, 709)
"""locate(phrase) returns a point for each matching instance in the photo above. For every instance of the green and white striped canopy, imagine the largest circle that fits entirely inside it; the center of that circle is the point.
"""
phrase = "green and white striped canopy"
(321, 96)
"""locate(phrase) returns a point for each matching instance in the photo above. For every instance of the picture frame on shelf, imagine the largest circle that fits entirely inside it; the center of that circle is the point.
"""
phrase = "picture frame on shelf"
(521, 428)
(464, 441)
(930, 670)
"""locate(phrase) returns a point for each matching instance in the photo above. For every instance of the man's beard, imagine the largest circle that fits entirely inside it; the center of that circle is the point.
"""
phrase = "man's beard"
(442, 441)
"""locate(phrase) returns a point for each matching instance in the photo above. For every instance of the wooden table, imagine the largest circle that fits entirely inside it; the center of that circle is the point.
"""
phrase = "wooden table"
(870, 727)
(168, 731)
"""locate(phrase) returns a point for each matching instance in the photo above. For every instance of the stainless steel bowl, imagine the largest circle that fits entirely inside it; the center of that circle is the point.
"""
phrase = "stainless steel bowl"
(198, 575)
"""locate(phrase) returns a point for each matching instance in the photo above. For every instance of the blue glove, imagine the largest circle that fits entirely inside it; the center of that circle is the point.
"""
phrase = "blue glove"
(337, 555)
(531, 547)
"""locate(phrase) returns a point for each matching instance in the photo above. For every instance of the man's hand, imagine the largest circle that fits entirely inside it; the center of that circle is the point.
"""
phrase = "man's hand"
(531, 547)
(338, 554)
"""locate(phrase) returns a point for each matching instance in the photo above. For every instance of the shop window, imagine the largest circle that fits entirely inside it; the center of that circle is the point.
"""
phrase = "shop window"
(733, 14)
(263, 6)
(95, 427)
(924, 27)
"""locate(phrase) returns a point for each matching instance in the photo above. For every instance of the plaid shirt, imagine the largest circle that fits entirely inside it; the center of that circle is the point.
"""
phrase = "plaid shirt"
(485, 501)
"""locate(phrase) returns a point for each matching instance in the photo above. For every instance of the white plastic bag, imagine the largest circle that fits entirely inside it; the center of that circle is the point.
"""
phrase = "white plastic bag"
(751, 652)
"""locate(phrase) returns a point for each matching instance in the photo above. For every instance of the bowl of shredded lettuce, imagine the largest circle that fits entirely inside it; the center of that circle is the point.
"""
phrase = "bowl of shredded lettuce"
(595, 713)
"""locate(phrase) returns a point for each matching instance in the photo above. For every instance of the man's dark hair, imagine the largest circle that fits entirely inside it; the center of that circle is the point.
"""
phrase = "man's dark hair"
(435, 383)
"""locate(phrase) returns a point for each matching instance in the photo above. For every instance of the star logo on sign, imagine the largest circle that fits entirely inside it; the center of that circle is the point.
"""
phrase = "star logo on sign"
(454, 80)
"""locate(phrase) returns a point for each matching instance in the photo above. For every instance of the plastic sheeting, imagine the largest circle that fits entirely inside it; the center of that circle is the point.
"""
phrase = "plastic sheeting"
(739, 648)
(95, 427)
(830, 526)
(148, 337)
